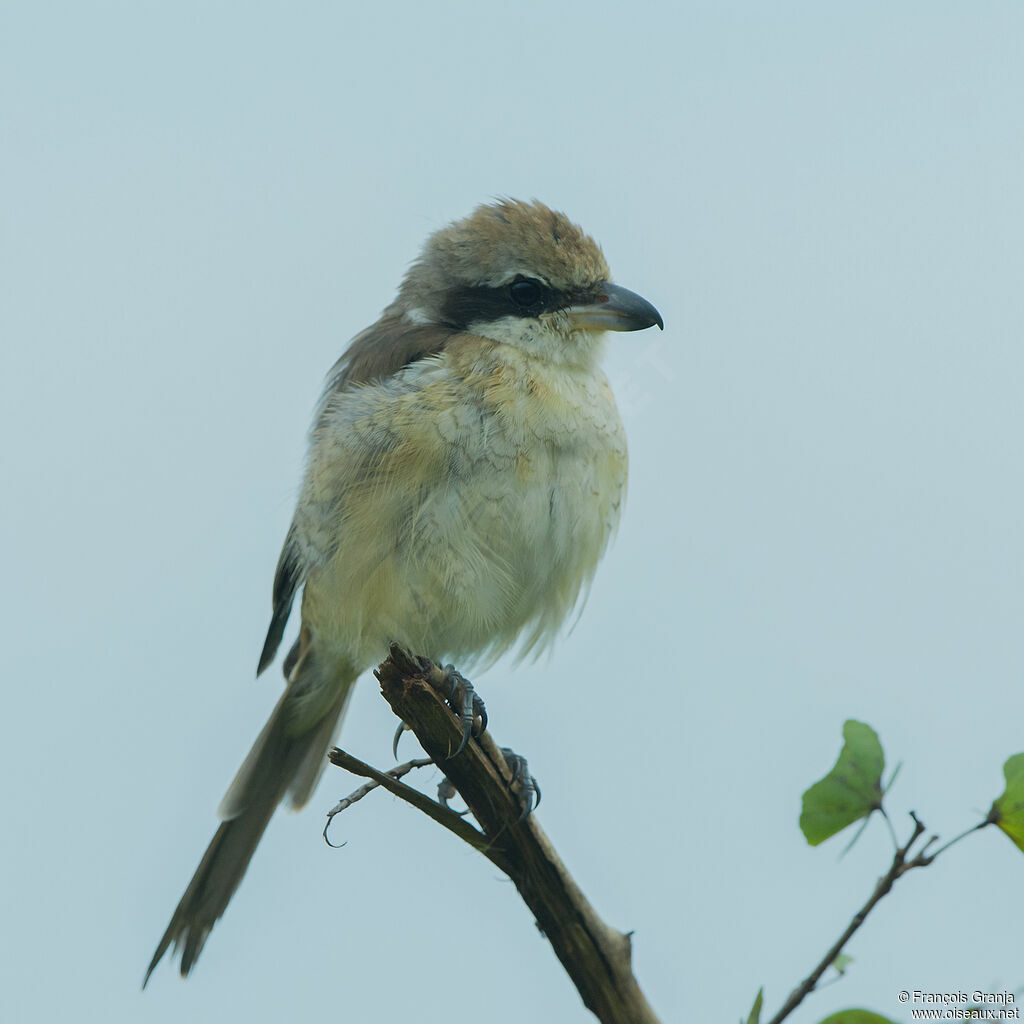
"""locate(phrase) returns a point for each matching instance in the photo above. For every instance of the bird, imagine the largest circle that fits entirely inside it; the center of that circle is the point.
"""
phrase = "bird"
(466, 470)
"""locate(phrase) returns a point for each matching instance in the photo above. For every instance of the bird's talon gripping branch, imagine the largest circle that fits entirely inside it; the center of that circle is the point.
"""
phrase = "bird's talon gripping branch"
(524, 784)
(466, 703)
(462, 698)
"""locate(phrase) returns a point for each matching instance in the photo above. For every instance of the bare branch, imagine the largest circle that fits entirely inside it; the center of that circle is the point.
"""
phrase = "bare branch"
(354, 797)
(596, 956)
(442, 815)
(899, 867)
(885, 883)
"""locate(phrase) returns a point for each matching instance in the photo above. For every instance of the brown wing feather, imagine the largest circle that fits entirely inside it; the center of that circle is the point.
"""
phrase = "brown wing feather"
(385, 348)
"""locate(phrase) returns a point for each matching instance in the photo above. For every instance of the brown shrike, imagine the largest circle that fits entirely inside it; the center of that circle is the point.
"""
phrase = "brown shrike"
(467, 467)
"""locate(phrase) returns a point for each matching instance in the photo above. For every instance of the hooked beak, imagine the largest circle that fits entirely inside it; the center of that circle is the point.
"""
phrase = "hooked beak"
(615, 309)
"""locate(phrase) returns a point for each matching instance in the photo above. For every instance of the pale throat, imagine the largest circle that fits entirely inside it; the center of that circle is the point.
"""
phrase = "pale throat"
(548, 338)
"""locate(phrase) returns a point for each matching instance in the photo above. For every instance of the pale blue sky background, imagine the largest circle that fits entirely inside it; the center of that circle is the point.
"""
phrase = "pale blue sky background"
(201, 203)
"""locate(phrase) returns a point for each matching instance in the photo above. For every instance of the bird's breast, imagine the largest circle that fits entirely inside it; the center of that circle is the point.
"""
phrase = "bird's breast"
(478, 518)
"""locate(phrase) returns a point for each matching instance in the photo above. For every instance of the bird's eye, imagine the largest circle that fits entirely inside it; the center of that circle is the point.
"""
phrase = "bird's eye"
(525, 293)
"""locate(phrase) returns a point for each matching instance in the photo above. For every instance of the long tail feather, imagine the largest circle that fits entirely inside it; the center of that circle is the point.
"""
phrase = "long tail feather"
(279, 761)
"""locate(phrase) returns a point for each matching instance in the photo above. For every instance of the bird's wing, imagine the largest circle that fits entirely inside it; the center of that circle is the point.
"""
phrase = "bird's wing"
(290, 574)
(385, 348)
(373, 356)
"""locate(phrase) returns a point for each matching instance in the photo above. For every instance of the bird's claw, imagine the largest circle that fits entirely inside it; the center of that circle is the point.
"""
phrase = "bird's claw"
(466, 703)
(523, 783)
(402, 727)
(463, 699)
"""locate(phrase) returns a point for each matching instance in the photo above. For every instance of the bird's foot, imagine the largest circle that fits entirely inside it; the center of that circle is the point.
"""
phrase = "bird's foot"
(463, 699)
(524, 785)
(460, 696)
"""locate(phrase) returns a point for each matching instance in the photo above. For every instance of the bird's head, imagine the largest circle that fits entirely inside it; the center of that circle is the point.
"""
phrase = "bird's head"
(521, 274)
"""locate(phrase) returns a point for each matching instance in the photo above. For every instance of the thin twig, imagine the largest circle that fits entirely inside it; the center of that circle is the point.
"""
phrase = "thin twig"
(357, 795)
(441, 814)
(885, 883)
(956, 839)
(900, 866)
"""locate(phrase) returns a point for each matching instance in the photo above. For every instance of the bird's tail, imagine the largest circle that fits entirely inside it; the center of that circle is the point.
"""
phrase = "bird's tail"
(286, 759)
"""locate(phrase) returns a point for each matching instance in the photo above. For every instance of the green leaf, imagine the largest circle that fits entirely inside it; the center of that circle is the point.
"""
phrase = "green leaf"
(851, 791)
(755, 1010)
(857, 1017)
(1008, 811)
